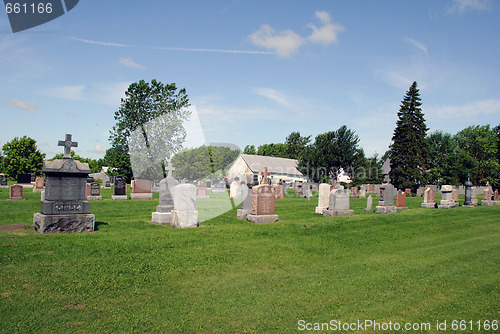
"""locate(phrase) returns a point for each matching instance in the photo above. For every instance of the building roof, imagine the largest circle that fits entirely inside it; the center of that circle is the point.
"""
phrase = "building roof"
(386, 167)
(256, 163)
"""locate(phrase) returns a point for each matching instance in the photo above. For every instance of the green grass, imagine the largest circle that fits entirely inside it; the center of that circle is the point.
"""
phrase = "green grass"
(232, 276)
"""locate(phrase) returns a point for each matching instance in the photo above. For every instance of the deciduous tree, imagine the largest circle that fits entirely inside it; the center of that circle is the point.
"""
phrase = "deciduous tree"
(22, 156)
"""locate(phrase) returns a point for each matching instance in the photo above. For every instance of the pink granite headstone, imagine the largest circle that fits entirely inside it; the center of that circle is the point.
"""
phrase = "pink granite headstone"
(263, 200)
(401, 200)
(141, 186)
(16, 192)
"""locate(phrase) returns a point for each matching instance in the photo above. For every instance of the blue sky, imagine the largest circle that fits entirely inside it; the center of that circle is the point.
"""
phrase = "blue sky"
(254, 70)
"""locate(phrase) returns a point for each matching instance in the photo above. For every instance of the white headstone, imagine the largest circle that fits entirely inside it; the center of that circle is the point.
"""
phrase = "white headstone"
(369, 202)
(323, 198)
(184, 213)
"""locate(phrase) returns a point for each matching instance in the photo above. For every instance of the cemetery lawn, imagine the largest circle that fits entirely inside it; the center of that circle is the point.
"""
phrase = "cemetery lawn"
(232, 276)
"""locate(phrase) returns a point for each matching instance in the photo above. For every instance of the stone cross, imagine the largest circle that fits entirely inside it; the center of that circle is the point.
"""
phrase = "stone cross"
(264, 174)
(169, 169)
(68, 144)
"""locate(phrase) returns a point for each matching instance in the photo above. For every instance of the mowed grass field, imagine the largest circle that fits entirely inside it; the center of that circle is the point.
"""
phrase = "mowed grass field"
(231, 276)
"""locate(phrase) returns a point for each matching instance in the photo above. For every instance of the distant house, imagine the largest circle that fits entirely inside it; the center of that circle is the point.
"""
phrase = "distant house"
(102, 174)
(247, 166)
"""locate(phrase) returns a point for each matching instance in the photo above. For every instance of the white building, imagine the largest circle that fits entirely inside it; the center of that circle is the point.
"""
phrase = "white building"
(246, 166)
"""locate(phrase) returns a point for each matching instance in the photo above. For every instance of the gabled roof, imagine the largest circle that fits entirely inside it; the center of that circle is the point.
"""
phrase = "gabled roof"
(386, 167)
(256, 163)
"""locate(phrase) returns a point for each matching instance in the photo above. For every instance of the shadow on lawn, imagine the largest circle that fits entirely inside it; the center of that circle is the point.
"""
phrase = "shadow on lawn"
(97, 224)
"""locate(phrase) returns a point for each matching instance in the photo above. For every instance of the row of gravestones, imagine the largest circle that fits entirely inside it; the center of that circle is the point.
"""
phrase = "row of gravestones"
(65, 208)
(334, 200)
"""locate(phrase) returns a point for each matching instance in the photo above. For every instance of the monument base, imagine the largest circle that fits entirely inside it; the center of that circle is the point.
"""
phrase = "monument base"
(401, 208)
(184, 219)
(337, 213)
(26, 185)
(94, 198)
(163, 218)
(262, 219)
(4, 187)
(119, 197)
(428, 205)
(468, 206)
(240, 213)
(386, 210)
(63, 223)
(490, 202)
(141, 196)
(35, 190)
(447, 204)
(319, 210)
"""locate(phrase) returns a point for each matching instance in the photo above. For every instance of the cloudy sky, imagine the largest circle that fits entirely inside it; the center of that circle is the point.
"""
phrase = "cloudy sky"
(254, 70)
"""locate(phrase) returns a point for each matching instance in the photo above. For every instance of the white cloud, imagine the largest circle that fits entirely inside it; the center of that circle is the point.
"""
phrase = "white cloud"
(471, 110)
(287, 42)
(419, 45)
(129, 63)
(461, 6)
(397, 78)
(68, 92)
(416, 66)
(110, 93)
(274, 95)
(168, 48)
(326, 34)
(22, 104)
(99, 149)
(103, 93)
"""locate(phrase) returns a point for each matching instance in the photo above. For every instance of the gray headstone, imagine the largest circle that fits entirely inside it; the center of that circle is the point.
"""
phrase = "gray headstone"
(387, 193)
(341, 200)
(246, 202)
(306, 190)
(166, 201)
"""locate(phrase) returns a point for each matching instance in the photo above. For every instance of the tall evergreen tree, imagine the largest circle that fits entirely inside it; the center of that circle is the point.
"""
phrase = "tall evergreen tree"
(409, 149)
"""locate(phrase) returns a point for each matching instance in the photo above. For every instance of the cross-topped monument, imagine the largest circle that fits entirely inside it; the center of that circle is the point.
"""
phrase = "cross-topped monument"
(169, 168)
(68, 144)
(264, 174)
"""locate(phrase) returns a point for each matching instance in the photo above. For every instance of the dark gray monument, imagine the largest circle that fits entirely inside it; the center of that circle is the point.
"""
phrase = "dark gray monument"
(24, 179)
(468, 193)
(120, 188)
(386, 200)
(65, 208)
(3, 181)
(95, 192)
